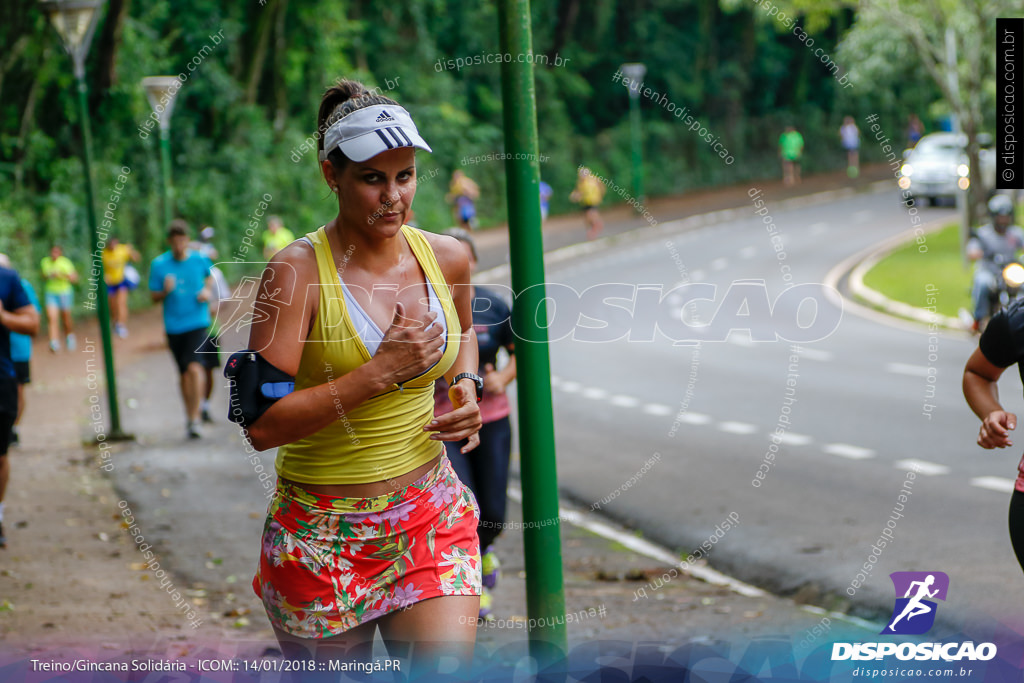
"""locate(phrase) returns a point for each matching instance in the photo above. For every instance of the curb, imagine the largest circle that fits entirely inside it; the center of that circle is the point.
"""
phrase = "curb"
(591, 522)
(869, 258)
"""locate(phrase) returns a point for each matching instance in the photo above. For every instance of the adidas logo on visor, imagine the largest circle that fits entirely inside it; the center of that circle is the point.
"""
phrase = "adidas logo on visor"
(384, 116)
(394, 137)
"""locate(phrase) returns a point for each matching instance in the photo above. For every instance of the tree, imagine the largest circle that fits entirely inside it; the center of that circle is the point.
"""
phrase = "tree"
(937, 29)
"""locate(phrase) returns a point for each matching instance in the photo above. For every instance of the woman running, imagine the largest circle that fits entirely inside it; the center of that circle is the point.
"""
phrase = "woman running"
(59, 276)
(485, 470)
(1000, 346)
(116, 256)
(588, 193)
(463, 193)
(370, 527)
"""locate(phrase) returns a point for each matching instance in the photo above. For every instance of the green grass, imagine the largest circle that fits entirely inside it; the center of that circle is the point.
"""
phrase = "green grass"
(907, 274)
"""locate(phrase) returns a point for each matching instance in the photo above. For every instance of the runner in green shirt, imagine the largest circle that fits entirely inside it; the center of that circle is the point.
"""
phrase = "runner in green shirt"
(59, 275)
(791, 148)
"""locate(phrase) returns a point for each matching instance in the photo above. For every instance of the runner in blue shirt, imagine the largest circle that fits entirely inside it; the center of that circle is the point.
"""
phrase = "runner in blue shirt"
(16, 315)
(545, 200)
(21, 351)
(181, 279)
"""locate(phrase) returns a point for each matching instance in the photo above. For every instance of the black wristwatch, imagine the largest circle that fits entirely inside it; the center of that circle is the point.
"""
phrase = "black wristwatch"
(477, 379)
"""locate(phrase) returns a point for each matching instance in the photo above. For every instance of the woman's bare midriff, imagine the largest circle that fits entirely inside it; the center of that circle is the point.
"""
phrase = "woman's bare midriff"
(370, 489)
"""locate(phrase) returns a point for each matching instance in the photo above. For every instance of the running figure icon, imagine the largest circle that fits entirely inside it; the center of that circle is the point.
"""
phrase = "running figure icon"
(915, 607)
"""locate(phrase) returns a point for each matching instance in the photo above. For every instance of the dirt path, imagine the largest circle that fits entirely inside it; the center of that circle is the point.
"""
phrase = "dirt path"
(71, 571)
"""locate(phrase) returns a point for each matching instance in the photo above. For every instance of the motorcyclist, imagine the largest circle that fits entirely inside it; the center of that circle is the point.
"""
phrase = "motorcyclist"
(993, 246)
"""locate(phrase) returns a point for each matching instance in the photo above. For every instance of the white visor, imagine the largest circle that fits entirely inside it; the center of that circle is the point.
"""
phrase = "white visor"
(367, 132)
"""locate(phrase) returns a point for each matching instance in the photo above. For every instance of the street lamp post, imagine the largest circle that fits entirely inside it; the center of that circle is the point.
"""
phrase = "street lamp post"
(75, 21)
(545, 594)
(635, 71)
(161, 91)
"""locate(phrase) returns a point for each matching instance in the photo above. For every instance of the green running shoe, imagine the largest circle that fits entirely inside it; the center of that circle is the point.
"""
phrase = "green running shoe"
(490, 568)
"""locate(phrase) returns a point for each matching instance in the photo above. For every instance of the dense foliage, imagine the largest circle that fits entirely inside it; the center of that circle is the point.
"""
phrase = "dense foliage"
(247, 111)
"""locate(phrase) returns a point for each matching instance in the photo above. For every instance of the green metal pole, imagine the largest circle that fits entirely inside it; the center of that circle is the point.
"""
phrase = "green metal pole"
(165, 171)
(545, 598)
(638, 163)
(103, 305)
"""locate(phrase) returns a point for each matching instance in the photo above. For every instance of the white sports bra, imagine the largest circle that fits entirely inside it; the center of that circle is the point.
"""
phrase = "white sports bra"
(368, 331)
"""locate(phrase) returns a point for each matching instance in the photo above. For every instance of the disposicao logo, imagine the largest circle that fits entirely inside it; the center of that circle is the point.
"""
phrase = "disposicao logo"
(914, 613)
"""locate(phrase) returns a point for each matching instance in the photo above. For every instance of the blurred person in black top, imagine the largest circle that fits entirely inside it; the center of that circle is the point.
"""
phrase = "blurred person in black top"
(17, 314)
(1001, 345)
(485, 470)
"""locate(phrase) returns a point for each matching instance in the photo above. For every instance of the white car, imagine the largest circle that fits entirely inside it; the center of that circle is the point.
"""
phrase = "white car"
(937, 167)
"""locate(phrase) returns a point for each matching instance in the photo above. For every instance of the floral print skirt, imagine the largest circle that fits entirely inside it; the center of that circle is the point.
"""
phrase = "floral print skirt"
(329, 564)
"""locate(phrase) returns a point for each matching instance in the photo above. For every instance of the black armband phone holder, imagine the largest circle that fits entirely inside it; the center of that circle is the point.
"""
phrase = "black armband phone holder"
(254, 386)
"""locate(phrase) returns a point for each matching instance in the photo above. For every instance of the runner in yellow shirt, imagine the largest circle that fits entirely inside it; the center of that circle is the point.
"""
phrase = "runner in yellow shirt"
(276, 238)
(116, 257)
(588, 193)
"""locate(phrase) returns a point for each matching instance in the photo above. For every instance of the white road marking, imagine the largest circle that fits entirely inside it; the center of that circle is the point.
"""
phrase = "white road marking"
(555, 381)
(657, 409)
(791, 439)
(719, 264)
(737, 427)
(929, 469)
(816, 354)
(595, 393)
(646, 548)
(845, 450)
(905, 369)
(818, 228)
(571, 387)
(623, 401)
(1001, 484)
(747, 252)
(695, 418)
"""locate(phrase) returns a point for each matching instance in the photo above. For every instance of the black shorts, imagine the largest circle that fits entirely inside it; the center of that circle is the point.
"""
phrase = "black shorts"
(209, 352)
(8, 410)
(21, 371)
(186, 347)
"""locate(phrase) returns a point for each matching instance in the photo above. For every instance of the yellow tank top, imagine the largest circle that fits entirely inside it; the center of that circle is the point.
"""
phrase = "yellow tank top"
(114, 261)
(383, 437)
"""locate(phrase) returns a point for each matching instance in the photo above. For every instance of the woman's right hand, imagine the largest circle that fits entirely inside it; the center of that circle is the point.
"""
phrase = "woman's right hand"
(995, 429)
(409, 347)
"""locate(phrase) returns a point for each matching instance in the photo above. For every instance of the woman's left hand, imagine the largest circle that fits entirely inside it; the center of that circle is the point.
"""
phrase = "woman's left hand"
(461, 423)
(494, 383)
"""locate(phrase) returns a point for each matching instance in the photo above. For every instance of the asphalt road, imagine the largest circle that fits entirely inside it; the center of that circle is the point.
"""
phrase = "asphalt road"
(855, 412)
